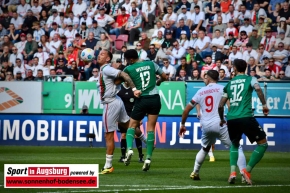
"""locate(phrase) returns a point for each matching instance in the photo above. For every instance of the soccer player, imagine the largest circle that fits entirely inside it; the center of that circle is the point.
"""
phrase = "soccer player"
(208, 98)
(240, 117)
(143, 74)
(114, 110)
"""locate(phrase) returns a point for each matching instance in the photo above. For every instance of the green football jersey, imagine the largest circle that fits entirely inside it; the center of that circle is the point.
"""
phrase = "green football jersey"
(239, 91)
(143, 75)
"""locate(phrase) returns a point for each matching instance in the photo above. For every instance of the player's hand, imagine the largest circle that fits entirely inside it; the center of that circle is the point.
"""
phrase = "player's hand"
(182, 131)
(198, 116)
(222, 123)
(265, 111)
(137, 93)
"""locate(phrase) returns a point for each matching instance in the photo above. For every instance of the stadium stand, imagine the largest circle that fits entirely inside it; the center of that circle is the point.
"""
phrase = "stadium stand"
(45, 35)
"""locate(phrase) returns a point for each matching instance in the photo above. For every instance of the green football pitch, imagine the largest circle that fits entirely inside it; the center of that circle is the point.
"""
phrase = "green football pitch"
(169, 171)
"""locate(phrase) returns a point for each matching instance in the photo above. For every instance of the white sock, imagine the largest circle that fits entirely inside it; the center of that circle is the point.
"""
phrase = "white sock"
(200, 156)
(210, 153)
(109, 159)
(242, 159)
(143, 138)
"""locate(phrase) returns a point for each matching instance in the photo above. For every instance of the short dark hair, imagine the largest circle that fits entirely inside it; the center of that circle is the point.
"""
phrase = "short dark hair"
(217, 30)
(183, 58)
(213, 74)
(131, 54)
(240, 65)
(222, 70)
(267, 70)
(208, 56)
(218, 60)
(109, 54)
(39, 70)
(196, 7)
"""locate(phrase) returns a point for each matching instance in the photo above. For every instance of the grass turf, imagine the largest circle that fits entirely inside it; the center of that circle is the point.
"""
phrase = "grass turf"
(169, 171)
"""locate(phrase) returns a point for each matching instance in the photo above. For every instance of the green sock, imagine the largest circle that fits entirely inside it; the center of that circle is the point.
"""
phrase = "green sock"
(150, 143)
(130, 137)
(234, 155)
(256, 156)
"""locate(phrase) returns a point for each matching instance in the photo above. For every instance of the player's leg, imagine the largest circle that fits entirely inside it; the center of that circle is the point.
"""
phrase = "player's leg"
(199, 159)
(138, 143)
(254, 132)
(210, 154)
(225, 139)
(123, 147)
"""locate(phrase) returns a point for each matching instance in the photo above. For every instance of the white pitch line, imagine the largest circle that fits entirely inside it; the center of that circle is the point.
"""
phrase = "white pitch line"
(168, 188)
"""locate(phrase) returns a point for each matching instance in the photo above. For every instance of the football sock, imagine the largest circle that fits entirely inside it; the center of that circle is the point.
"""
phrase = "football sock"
(210, 153)
(150, 143)
(256, 156)
(130, 137)
(123, 147)
(109, 159)
(143, 138)
(199, 159)
(234, 155)
(139, 145)
(241, 159)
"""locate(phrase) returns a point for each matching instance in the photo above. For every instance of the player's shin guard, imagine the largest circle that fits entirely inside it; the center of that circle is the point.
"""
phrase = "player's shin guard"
(143, 138)
(130, 137)
(109, 159)
(257, 156)
(150, 144)
(234, 155)
(139, 145)
(200, 156)
(123, 147)
(241, 159)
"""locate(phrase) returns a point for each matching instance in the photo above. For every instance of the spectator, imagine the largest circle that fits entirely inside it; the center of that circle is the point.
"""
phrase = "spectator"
(257, 13)
(262, 53)
(26, 30)
(23, 8)
(254, 74)
(182, 28)
(41, 55)
(145, 41)
(9, 76)
(17, 21)
(158, 41)
(148, 12)
(281, 55)
(91, 42)
(169, 27)
(43, 18)
(244, 13)
(183, 40)
(114, 9)
(242, 41)
(231, 30)
(13, 34)
(232, 14)
(196, 2)
(195, 75)
(55, 30)
(219, 66)
(5, 69)
(151, 53)
(95, 77)
(216, 55)
(225, 5)
(70, 33)
(102, 4)
(21, 45)
(133, 26)
(193, 56)
(6, 20)
(89, 67)
(247, 27)
(220, 21)
(142, 54)
(71, 19)
(203, 44)
(222, 75)
(231, 40)
(269, 40)
(250, 53)
(97, 30)
(38, 32)
(226, 53)
(79, 8)
(61, 69)
(29, 19)
(159, 27)
(103, 44)
(284, 12)
(124, 49)
(36, 8)
(274, 68)
(105, 21)
(185, 15)
(208, 66)
(287, 68)
(18, 76)
(252, 66)
(264, 65)
(263, 25)
(184, 66)
(54, 19)
(30, 76)
(234, 55)
(182, 76)
(254, 39)
(126, 4)
(168, 69)
(14, 56)
(267, 76)
(46, 6)
(218, 41)
(73, 71)
(19, 67)
(282, 26)
(282, 76)
(283, 39)
(47, 66)
(121, 22)
(39, 77)
(170, 17)
(30, 48)
(58, 6)
(198, 20)
(274, 15)
(54, 44)
(182, 4)
(176, 54)
(53, 77)
(3, 32)
(193, 40)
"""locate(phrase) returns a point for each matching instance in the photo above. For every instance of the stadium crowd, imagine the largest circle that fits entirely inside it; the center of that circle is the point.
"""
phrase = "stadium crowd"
(40, 38)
